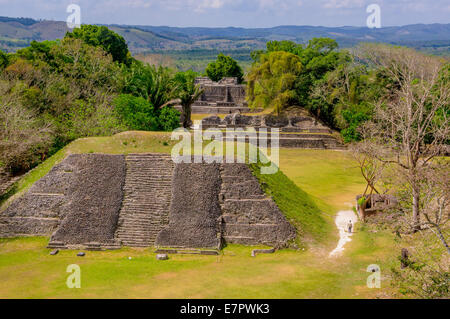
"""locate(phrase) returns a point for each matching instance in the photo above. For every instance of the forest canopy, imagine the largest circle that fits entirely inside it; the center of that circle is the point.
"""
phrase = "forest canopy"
(337, 86)
(86, 84)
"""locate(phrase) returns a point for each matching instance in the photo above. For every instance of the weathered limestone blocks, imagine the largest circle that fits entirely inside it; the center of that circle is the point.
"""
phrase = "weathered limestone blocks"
(195, 208)
(206, 108)
(94, 201)
(227, 204)
(212, 120)
(40, 210)
(276, 121)
(250, 217)
(104, 201)
(226, 92)
(294, 131)
(79, 198)
(287, 123)
(240, 120)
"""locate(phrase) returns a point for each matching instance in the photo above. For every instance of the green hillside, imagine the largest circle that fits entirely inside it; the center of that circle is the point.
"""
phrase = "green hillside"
(16, 33)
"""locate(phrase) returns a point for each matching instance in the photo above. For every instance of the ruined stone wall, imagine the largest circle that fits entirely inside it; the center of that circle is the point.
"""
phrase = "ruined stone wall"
(195, 209)
(294, 131)
(228, 204)
(237, 94)
(213, 93)
(79, 198)
(224, 93)
(288, 124)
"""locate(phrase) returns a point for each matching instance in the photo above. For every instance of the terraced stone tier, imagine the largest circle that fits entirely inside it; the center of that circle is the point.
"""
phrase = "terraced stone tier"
(147, 197)
(95, 193)
(294, 131)
(195, 209)
(249, 216)
(77, 202)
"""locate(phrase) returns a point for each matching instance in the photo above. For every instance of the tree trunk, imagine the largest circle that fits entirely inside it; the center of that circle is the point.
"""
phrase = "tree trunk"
(416, 209)
(186, 116)
(405, 258)
(362, 210)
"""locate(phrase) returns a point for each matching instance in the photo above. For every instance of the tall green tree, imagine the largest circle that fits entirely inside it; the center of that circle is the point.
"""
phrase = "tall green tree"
(224, 66)
(286, 46)
(110, 41)
(272, 80)
(324, 86)
(319, 57)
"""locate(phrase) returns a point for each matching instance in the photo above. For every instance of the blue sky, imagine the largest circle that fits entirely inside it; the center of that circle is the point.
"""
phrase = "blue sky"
(237, 13)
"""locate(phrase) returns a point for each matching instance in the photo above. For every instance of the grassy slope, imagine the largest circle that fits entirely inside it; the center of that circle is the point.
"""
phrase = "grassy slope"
(328, 181)
(295, 203)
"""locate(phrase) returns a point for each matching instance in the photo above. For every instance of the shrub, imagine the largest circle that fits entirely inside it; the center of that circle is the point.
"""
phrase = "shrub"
(169, 119)
(136, 113)
(24, 138)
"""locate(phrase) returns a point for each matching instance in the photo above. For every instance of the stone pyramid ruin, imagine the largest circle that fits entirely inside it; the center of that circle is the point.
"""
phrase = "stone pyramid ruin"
(96, 201)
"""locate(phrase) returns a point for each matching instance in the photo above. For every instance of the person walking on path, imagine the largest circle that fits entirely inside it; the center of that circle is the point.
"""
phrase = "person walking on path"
(350, 226)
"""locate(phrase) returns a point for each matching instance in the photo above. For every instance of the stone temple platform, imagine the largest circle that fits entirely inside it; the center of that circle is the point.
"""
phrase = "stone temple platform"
(294, 131)
(224, 97)
(214, 109)
(96, 202)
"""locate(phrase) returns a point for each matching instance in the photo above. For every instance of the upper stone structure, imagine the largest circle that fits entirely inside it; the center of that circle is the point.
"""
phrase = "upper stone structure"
(298, 131)
(225, 93)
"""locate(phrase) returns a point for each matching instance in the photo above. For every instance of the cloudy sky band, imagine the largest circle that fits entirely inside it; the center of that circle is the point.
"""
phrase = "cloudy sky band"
(243, 13)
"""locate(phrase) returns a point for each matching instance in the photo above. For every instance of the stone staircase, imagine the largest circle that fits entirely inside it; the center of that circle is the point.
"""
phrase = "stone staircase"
(147, 197)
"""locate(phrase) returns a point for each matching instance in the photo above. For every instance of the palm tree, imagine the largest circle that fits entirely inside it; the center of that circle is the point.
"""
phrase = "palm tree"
(162, 88)
(187, 93)
(156, 84)
(188, 97)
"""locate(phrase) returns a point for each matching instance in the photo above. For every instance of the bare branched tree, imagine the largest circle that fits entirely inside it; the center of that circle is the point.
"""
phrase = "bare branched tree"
(366, 155)
(435, 200)
(411, 124)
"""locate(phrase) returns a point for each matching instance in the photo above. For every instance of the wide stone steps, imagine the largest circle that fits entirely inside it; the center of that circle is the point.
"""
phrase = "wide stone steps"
(145, 227)
(148, 192)
(135, 209)
(138, 227)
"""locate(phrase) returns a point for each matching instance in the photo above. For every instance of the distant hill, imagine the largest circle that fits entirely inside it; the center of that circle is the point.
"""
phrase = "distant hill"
(183, 44)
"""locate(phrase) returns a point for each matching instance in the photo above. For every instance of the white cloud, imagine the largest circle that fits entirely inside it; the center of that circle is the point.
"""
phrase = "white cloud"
(343, 4)
(203, 5)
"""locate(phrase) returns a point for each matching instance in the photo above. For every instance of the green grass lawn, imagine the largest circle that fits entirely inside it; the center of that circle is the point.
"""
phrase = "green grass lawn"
(325, 182)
